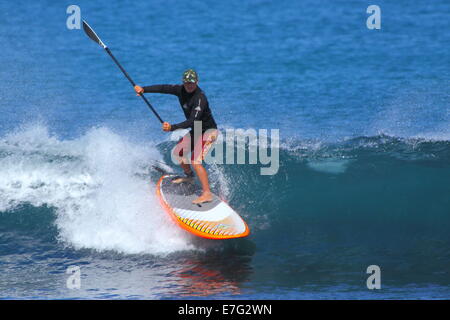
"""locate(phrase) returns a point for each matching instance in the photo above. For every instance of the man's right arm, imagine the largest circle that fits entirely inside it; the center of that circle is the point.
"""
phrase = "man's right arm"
(163, 88)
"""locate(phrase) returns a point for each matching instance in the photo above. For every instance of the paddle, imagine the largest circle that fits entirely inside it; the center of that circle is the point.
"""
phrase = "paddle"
(91, 34)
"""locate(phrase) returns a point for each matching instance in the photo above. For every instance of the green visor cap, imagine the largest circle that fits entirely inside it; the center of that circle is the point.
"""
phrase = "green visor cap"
(190, 76)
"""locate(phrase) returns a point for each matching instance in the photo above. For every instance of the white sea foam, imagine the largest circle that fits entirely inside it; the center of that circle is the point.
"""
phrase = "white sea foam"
(334, 166)
(96, 186)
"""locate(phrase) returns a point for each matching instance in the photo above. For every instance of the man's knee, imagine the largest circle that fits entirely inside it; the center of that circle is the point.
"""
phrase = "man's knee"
(197, 165)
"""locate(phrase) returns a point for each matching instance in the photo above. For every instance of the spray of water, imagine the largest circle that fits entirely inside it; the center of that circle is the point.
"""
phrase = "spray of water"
(96, 185)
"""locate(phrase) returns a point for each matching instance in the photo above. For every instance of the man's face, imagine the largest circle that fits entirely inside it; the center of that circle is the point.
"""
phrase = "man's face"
(190, 86)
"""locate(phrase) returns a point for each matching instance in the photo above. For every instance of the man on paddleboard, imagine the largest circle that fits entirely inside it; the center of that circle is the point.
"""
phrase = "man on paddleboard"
(195, 106)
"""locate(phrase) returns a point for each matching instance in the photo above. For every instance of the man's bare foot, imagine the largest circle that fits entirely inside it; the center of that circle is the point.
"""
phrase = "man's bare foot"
(205, 197)
(183, 179)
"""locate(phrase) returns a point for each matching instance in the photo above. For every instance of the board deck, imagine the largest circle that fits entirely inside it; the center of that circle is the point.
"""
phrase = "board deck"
(212, 220)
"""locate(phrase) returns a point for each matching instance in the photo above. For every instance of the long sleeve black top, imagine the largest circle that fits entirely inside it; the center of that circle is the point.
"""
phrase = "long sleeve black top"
(195, 105)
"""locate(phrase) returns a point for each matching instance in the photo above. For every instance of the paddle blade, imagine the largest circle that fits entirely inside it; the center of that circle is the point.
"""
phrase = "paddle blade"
(91, 34)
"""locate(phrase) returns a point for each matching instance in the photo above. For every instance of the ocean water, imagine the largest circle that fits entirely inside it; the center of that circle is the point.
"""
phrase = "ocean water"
(364, 124)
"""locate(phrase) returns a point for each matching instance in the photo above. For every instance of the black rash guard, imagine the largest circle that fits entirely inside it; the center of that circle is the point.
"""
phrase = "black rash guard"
(195, 106)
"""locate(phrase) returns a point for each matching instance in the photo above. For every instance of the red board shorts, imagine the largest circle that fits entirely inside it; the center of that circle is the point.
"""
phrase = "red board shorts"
(198, 148)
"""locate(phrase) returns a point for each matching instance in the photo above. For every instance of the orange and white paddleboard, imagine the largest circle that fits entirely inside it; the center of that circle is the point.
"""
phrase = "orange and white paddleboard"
(212, 220)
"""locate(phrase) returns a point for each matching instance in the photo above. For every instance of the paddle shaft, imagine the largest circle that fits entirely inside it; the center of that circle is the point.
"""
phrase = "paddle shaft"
(132, 83)
(94, 37)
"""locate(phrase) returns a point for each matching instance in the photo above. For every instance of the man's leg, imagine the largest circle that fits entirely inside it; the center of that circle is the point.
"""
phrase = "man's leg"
(202, 147)
(180, 151)
(186, 168)
(202, 175)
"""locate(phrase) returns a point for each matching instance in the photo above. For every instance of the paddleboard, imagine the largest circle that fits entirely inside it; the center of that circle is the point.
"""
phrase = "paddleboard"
(211, 220)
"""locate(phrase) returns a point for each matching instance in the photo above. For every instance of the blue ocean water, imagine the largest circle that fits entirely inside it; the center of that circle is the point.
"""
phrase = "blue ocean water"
(364, 122)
